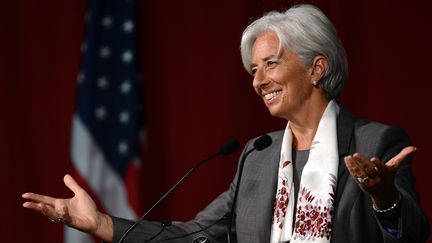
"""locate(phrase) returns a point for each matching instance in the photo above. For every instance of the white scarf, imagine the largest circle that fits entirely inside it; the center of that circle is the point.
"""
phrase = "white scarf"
(316, 196)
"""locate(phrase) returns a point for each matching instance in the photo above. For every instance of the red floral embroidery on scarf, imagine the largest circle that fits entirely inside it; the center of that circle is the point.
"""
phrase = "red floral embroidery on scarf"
(313, 217)
(281, 202)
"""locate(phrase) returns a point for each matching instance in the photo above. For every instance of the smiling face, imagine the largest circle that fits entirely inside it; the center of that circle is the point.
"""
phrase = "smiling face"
(281, 79)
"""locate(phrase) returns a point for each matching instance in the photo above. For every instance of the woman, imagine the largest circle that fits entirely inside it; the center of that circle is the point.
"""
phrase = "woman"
(326, 178)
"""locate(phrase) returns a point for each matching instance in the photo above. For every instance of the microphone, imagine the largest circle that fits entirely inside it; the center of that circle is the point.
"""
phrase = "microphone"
(227, 149)
(260, 143)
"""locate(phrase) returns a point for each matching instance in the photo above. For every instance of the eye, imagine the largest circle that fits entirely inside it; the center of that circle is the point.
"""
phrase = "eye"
(271, 63)
(253, 71)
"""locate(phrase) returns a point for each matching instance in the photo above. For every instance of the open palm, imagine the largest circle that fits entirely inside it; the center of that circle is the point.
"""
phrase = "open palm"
(79, 212)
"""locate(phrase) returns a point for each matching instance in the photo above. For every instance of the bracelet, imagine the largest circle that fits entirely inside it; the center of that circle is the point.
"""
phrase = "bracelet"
(393, 207)
(390, 213)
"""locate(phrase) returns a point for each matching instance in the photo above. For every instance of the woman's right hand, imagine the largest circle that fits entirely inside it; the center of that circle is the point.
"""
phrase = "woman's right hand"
(79, 212)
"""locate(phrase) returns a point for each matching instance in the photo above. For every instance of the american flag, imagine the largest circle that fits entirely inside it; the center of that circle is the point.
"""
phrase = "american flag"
(107, 126)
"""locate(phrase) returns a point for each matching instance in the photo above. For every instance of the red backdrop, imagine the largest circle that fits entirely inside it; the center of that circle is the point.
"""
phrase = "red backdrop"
(197, 93)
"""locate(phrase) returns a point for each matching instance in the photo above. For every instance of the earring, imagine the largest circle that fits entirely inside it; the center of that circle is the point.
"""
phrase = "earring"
(315, 82)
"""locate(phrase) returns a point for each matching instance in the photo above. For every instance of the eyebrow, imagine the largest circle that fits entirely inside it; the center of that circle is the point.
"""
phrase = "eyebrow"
(264, 60)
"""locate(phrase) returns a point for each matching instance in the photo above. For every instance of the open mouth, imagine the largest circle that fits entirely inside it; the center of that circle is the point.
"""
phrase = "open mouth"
(271, 95)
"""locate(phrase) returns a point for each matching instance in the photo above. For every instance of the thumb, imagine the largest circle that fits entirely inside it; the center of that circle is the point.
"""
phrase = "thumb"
(70, 182)
(396, 161)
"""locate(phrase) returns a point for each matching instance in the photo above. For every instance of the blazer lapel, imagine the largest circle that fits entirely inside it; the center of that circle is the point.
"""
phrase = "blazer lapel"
(271, 185)
(345, 130)
(255, 214)
(345, 197)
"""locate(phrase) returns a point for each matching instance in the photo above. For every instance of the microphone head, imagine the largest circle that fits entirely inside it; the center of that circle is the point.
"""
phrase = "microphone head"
(262, 142)
(229, 147)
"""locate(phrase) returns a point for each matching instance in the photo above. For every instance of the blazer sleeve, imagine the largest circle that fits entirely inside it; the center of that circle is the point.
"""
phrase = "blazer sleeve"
(413, 223)
(210, 223)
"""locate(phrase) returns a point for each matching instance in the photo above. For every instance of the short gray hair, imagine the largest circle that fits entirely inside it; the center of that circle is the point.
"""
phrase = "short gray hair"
(305, 30)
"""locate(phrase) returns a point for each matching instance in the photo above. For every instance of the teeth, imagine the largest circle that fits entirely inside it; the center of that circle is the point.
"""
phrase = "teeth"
(271, 95)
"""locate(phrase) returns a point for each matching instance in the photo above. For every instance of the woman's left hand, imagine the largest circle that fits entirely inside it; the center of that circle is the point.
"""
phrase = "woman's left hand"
(377, 178)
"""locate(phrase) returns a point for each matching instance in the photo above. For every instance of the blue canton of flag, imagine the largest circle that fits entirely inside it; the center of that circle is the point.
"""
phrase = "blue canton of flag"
(109, 113)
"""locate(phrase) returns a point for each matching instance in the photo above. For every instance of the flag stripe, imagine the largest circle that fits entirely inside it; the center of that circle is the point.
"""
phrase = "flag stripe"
(99, 176)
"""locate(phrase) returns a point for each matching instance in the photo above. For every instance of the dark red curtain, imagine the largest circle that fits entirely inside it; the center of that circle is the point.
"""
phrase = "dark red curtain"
(197, 93)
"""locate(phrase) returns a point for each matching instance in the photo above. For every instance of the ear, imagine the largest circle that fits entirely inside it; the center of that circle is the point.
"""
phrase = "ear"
(318, 68)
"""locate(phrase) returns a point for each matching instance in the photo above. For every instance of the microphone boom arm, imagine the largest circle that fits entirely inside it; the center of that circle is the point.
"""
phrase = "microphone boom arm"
(228, 148)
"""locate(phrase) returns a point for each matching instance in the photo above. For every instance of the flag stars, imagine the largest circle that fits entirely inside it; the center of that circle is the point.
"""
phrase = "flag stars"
(128, 26)
(124, 117)
(108, 100)
(105, 52)
(102, 82)
(127, 56)
(101, 113)
(126, 87)
(123, 147)
(107, 22)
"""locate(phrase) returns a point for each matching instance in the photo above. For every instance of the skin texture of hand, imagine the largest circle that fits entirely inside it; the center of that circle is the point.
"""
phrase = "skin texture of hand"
(380, 186)
(79, 212)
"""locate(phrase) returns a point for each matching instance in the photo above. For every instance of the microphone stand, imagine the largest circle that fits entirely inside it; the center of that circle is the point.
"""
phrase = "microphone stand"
(228, 148)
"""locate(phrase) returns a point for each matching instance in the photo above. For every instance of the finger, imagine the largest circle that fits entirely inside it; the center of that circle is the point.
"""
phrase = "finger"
(71, 184)
(39, 198)
(379, 165)
(396, 161)
(353, 167)
(41, 208)
(33, 206)
(367, 166)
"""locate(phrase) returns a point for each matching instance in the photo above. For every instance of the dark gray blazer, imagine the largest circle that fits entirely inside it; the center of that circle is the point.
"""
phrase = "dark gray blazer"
(354, 220)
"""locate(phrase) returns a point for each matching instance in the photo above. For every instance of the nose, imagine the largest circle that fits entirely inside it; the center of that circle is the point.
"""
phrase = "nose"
(260, 79)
